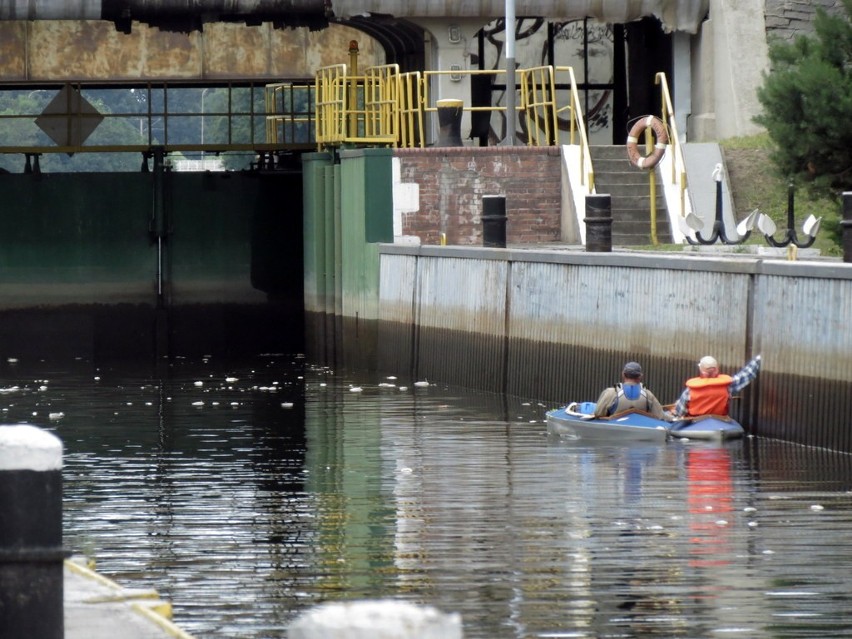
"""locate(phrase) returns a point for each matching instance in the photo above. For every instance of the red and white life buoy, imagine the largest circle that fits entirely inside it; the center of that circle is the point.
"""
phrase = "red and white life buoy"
(647, 161)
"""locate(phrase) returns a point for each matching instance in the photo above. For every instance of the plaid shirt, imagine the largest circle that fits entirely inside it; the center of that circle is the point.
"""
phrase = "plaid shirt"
(741, 379)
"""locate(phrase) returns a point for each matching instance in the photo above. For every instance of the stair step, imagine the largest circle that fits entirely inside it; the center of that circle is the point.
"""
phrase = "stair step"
(613, 177)
(628, 188)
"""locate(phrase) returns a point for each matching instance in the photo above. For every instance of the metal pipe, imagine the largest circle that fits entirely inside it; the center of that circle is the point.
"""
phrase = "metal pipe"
(510, 72)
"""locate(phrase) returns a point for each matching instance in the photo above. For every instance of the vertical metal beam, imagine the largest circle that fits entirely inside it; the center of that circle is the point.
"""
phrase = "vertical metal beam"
(510, 72)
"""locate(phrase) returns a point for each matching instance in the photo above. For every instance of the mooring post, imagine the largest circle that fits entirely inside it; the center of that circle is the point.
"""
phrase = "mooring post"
(31, 552)
(449, 122)
(494, 221)
(598, 223)
(846, 226)
(380, 619)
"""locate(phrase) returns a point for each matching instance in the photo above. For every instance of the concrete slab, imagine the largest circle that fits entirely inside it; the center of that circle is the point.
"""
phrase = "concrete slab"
(98, 608)
(701, 159)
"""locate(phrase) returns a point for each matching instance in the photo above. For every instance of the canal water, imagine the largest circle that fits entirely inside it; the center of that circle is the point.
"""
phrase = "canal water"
(247, 492)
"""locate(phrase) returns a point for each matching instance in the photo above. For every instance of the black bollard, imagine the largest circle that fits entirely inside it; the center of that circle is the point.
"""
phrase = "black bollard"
(31, 553)
(449, 122)
(846, 226)
(598, 224)
(494, 221)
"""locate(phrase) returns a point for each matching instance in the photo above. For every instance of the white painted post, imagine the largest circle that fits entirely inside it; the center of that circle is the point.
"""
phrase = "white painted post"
(31, 553)
(380, 619)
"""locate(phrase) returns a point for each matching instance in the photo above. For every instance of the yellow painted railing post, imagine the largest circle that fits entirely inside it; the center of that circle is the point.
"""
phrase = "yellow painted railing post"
(652, 185)
(352, 97)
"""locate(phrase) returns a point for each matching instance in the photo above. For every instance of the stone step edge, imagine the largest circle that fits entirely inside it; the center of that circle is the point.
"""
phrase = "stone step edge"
(144, 602)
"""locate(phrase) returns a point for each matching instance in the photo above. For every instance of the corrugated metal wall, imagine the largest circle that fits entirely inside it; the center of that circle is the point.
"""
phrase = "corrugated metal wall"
(461, 322)
(559, 326)
(802, 318)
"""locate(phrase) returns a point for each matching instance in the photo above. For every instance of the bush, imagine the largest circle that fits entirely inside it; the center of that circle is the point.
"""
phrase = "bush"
(807, 101)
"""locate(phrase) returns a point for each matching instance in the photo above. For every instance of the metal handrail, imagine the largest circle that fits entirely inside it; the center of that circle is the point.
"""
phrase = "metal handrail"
(577, 123)
(411, 110)
(386, 107)
(538, 103)
(678, 172)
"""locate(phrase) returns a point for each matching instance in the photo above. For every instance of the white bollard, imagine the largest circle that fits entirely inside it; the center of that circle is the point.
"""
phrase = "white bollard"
(380, 619)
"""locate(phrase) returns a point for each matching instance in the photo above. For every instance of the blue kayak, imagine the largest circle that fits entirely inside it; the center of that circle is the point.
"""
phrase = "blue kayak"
(574, 422)
(714, 427)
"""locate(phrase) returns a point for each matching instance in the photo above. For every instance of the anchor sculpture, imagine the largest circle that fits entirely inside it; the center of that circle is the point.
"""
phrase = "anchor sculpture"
(810, 227)
(744, 228)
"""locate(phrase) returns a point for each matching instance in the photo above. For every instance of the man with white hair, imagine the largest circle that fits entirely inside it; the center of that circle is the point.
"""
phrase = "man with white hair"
(710, 392)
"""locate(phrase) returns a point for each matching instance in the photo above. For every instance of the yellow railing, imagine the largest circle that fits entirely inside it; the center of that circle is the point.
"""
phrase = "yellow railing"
(385, 107)
(332, 109)
(578, 126)
(411, 110)
(290, 113)
(362, 109)
(678, 172)
(538, 105)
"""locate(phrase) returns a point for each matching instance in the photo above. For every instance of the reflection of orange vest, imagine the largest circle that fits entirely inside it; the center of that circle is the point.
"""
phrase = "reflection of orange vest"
(708, 395)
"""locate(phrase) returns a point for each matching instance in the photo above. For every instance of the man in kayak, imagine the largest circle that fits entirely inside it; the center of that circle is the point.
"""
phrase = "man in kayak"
(630, 393)
(710, 392)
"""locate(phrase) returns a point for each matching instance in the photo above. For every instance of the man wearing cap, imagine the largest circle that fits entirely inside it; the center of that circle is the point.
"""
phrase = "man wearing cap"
(710, 392)
(629, 394)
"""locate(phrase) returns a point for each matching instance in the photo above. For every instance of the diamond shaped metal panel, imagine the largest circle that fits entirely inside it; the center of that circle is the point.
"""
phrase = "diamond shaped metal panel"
(69, 118)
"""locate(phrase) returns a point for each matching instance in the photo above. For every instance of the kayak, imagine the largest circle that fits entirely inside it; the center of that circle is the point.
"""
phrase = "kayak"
(631, 425)
(575, 422)
(713, 427)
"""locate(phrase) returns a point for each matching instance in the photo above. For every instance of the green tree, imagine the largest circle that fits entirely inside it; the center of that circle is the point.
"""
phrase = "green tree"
(807, 104)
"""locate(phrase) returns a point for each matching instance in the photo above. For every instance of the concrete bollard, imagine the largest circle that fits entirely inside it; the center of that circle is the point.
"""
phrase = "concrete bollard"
(846, 227)
(31, 553)
(598, 224)
(494, 221)
(380, 619)
(449, 122)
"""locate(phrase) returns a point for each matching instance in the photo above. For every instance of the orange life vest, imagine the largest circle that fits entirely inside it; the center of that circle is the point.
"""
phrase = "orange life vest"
(708, 395)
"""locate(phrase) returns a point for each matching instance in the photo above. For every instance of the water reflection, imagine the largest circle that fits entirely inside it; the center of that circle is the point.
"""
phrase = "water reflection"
(246, 493)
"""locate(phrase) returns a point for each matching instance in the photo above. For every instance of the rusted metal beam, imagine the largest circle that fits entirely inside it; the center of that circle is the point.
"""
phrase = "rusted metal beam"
(173, 15)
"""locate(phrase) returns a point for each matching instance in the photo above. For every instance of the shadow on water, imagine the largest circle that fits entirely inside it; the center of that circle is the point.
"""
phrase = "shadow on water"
(248, 491)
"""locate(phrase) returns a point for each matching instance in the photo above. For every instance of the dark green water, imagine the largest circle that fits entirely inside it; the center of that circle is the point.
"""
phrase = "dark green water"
(245, 493)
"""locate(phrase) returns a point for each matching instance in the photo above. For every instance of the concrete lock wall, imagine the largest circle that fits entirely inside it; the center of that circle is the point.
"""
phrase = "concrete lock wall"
(558, 326)
(79, 267)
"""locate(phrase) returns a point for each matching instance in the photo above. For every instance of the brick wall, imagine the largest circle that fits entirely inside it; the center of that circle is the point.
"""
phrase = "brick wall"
(452, 182)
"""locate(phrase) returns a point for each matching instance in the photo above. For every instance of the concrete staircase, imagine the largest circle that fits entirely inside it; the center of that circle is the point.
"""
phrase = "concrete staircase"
(629, 189)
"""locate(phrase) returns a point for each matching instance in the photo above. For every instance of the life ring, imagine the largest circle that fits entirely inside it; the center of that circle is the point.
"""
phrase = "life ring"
(647, 161)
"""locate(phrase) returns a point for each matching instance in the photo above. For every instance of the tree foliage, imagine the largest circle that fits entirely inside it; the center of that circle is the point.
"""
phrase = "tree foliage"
(807, 102)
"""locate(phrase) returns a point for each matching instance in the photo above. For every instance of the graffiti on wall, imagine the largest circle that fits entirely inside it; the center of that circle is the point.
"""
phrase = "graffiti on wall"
(585, 45)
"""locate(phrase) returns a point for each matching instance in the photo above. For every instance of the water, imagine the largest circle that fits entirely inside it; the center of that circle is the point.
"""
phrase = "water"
(203, 482)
